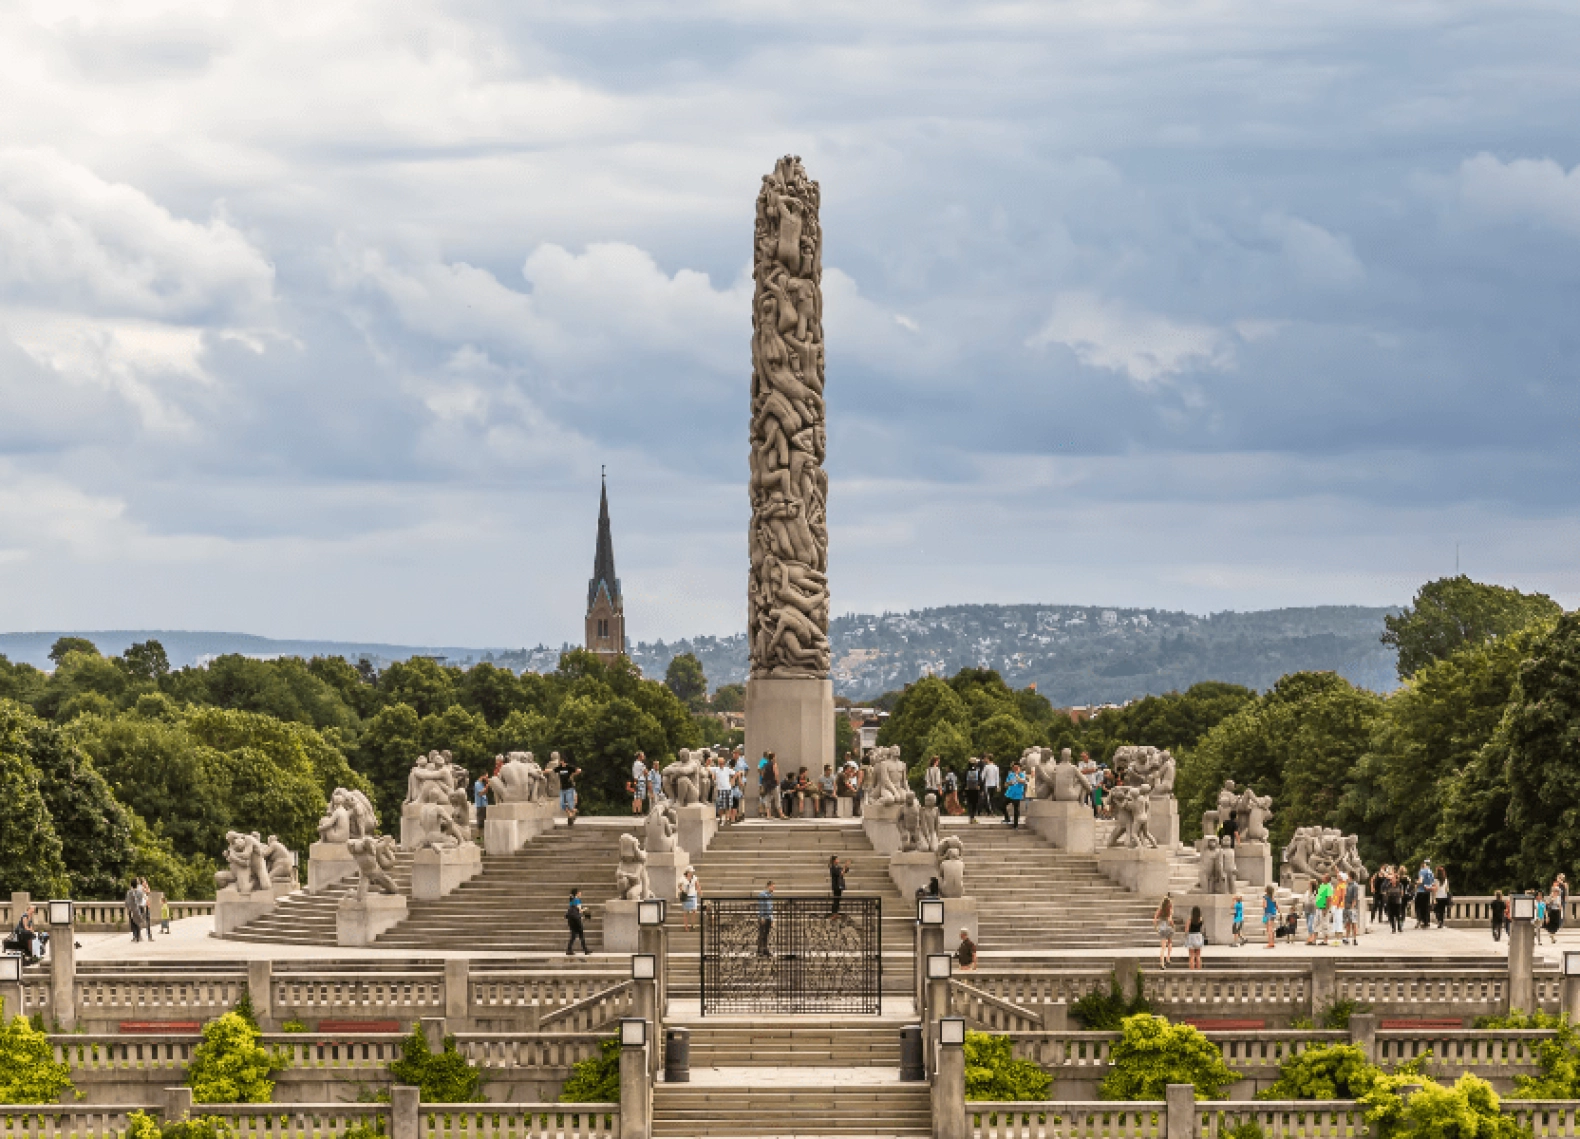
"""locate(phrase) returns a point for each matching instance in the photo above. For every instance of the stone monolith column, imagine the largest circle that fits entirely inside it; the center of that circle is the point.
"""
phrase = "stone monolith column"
(789, 697)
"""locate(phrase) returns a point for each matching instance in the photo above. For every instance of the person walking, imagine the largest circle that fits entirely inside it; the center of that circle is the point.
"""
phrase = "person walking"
(655, 786)
(480, 799)
(1394, 890)
(1376, 886)
(164, 916)
(1541, 914)
(933, 777)
(1195, 937)
(1163, 921)
(990, 782)
(765, 919)
(574, 912)
(1270, 915)
(569, 797)
(146, 895)
(974, 788)
(1424, 881)
(639, 785)
(1498, 912)
(966, 952)
(1561, 897)
(768, 787)
(690, 891)
(836, 879)
(135, 914)
(1014, 793)
(1311, 912)
(1442, 895)
(952, 794)
(1351, 910)
(724, 795)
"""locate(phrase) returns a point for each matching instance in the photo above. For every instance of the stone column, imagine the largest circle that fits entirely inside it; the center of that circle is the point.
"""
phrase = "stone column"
(636, 1089)
(177, 1104)
(789, 697)
(654, 939)
(949, 1090)
(404, 1118)
(63, 976)
(645, 1005)
(1324, 985)
(1055, 1016)
(929, 939)
(1363, 1033)
(458, 991)
(1180, 1104)
(1522, 966)
(260, 987)
(1570, 996)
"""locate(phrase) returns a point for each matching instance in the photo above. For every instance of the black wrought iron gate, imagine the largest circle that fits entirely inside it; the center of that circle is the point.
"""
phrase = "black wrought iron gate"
(792, 954)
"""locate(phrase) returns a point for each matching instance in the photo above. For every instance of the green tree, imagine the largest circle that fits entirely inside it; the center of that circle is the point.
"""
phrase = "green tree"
(494, 693)
(465, 735)
(444, 1077)
(64, 646)
(526, 731)
(426, 685)
(389, 745)
(685, 679)
(146, 660)
(30, 854)
(29, 1072)
(1152, 1053)
(1539, 740)
(918, 710)
(1324, 1071)
(21, 682)
(358, 690)
(1454, 613)
(1468, 1110)
(1175, 720)
(85, 682)
(729, 698)
(230, 1066)
(601, 739)
(993, 1073)
(1004, 736)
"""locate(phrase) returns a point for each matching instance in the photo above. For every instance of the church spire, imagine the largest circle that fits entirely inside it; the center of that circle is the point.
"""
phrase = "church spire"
(605, 607)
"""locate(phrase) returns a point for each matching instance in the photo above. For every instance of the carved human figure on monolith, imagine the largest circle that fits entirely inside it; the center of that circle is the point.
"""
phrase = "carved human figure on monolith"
(927, 833)
(659, 828)
(1132, 815)
(520, 779)
(248, 869)
(681, 779)
(1252, 812)
(277, 857)
(630, 876)
(888, 777)
(375, 858)
(951, 868)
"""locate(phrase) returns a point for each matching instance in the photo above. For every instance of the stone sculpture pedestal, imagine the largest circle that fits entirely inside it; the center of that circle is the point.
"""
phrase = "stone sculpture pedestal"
(845, 807)
(507, 827)
(1253, 863)
(911, 870)
(233, 909)
(1163, 821)
(328, 863)
(794, 719)
(436, 872)
(1217, 915)
(410, 828)
(695, 827)
(1297, 884)
(1069, 826)
(664, 871)
(619, 923)
(1139, 869)
(359, 920)
(881, 822)
(959, 913)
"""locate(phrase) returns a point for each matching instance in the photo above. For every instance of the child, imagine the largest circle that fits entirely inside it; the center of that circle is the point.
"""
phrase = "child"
(1239, 919)
(1541, 919)
(164, 918)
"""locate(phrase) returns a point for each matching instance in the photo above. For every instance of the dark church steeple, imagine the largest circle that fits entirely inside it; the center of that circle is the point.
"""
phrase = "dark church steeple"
(605, 608)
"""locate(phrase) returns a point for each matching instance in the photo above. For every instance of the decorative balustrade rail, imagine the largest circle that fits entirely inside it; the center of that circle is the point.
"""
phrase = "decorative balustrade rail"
(494, 993)
(1545, 1119)
(149, 995)
(48, 1121)
(1489, 1053)
(984, 1010)
(504, 1051)
(294, 1120)
(594, 1012)
(1278, 1119)
(1241, 992)
(1426, 991)
(1142, 1119)
(1031, 987)
(519, 1121)
(375, 996)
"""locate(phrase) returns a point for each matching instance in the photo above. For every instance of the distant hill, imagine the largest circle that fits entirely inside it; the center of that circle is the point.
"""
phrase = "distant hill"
(1074, 654)
(1078, 654)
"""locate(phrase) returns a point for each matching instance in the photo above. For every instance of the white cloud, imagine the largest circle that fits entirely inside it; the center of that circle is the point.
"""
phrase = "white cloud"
(1534, 189)
(1147, 347)
(1320, 257)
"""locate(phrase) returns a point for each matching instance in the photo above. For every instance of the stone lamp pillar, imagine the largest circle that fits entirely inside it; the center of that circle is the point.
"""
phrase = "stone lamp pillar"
(949, 1080)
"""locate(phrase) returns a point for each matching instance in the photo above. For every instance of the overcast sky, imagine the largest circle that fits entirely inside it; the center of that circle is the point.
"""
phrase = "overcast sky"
(318, 319)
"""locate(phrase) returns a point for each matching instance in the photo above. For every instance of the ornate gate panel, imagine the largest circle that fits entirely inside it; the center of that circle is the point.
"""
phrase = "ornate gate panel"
(797, 954)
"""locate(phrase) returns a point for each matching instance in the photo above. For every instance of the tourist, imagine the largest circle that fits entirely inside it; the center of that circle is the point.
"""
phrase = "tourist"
(989, 782)
(1014, 792)
(768, 786)
(1376, 886)
(573, 919)
(655, 785)
(1097, 794)
(850, 784)
(765, 919)
(1541, 914)
(1499, 914)
(26, 939)
(933, 777)
(1326, 904)
(1311, 912)
(134, 910)
(1554, 913)
(1394, 891)
(1088, 768)
(836, 879)
(738, 784)
(827, 793)
(480, 798)
(788, 799)
(1229, 829)
(724, 794)
(1239, 921)
(974, 787)
(966, 953)
(952, 794)
(1163, 920)
(638, 785)
(690, 891)
(1441, 895)
(1561, 888)
(1424, 881)
(569, 799)
(1352, 911)
(147, 897)
(1195, 937)
(1270, 915)
(164, 915)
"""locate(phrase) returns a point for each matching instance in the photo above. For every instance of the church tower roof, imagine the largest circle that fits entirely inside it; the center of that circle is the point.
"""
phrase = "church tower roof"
(603, 575)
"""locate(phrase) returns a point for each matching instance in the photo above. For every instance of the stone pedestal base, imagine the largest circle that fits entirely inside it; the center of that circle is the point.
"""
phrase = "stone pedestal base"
(1297, 883)
(664, 870)
(619, 924)
(1253, 863)
(1217, 912)
(794, 719)
(1069, 826)
(1141, 870)
(434, 873)
(911, 870)
(881, 822)
(359, 920)
(960, 913)
(1163, 820)
(410, 829)
(233, 909)
(695, 828)
(846, 807)
(328, 863)
(507, 827)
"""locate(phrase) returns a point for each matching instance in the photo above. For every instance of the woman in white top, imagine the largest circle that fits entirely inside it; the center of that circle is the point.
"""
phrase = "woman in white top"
(933, 779)
(690, 891)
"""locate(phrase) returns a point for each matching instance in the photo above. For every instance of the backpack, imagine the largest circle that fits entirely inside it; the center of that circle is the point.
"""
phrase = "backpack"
(973, 778)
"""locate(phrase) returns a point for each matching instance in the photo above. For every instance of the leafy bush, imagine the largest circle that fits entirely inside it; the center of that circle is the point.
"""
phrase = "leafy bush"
(1250, 1129)
(1154, 1053)
(1327, 1071)
(230, 1066)
(140, 1125)
(293, 1026)
(597, 1078)
(1335, 1015)
(1468, 1110)
(443, 1078)
(993, 1073)
(1104, 1012)
(364, 1130)
(28, 1071)
(244, 1009)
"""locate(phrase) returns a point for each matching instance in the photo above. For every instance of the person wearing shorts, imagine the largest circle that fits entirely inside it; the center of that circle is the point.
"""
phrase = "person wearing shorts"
(1195, 937)
(724, 799)
(690, 897)
(1163, 919)
(1239, 920)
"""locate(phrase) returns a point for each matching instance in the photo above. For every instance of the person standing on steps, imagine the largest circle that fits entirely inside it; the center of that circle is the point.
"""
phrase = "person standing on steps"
(1425, 881)
(1195, 937)
(639, 785)
(568, 796)
(1163, 920)
(690, 892)
(836, 880)
(974, 787)
(1014, 792)
(1239, 920)
(1270, 915)
(573, 919)
(765, 919)
(768, 786)
(480, 799)
(966, 954)
(933, 777)
(989, 782)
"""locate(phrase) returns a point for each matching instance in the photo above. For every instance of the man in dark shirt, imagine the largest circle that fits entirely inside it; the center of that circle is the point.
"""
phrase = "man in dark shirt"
(765, 919)
(836, 880)
(966, 955)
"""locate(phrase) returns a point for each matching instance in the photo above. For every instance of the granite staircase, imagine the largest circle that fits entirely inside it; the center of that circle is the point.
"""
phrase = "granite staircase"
(309, 919)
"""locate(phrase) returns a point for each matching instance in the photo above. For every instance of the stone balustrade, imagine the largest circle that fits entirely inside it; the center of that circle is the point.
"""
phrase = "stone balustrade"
(1282, 1119)
(107, 917)
(78, 1121)
(375, 996)
(1141, 1119)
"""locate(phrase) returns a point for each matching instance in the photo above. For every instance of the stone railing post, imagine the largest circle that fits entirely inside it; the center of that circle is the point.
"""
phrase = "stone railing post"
(1125, 971)
(1324, 985)
(929, 940)
(458, 991)
(260, 988)
(1363, 1032)
(654, 939)
(1180, 1106)
(433, 1030)
(645, 1002)
(949, 1088)
(636, 1089)
(21, 902)
(1571, 999)
(177, 1104)
(1055, 1016)
(405, 1121)
(63, 976)
(1522, 966)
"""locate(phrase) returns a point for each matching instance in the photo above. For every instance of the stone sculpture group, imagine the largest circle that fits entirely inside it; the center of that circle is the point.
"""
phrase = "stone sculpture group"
(787, 593)
(350, 816)
(375, 858)
(886, 781)
(1132, 810)
(1149, 766)
(1250, 810)
(689, 780)
(630, 877)
(1217, 873)
(1055, 778)
(1316, 851)
(436, 797)
(254, 864)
